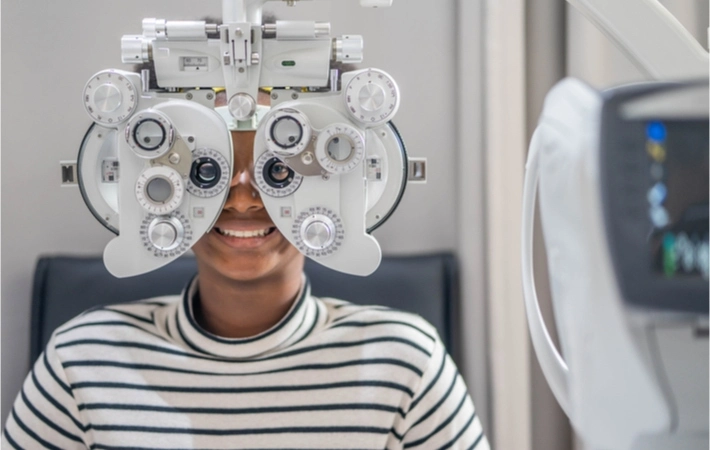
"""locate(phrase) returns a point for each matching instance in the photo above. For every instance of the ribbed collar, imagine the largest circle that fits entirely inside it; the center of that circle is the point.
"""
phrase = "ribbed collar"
(298, 322)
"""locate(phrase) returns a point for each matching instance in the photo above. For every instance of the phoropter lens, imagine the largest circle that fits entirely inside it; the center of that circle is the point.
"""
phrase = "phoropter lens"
(159, 190)
(205, 172)
(277, 174)
(149, 134)
(286, 132)
(339, 148)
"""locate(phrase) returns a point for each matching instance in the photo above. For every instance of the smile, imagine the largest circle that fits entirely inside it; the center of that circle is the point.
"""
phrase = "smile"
(245, 234)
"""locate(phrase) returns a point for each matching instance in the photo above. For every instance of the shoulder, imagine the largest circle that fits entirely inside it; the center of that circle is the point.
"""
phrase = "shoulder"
(114, 321)
(344, 312)
(380, 324)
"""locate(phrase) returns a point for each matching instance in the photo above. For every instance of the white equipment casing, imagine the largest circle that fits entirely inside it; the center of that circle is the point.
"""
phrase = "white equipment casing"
(155, 166)
(195, 127)
(615, 382)
(360, 201)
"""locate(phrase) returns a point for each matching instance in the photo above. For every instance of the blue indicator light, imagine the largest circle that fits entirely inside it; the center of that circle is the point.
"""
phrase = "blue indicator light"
(656, 131)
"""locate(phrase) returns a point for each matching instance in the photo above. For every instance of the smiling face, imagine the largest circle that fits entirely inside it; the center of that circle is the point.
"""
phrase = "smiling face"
(244, 244)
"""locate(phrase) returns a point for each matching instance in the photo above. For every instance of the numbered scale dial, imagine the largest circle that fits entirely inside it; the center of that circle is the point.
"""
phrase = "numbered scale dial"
(166, 236)
(340, 148)
(372, 97)
(274, 177)
(110, 98)
(160, 190)
(318, 232)
(209, 174)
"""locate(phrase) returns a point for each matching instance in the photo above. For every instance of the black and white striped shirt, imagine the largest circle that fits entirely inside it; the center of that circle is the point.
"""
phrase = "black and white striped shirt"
(330, 374)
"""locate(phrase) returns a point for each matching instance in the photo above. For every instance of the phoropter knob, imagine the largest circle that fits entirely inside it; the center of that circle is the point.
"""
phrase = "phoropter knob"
(110, 97)
(318, 232)
(166, 233)
(135, 49)
(348, 49)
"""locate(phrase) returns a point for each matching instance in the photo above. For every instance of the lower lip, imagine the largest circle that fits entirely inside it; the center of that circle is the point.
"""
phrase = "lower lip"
(245, 242)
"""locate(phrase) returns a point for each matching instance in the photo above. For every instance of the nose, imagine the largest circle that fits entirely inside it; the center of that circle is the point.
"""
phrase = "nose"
(243, 195)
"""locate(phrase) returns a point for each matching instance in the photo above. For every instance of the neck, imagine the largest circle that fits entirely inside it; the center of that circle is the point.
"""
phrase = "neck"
(237, 309)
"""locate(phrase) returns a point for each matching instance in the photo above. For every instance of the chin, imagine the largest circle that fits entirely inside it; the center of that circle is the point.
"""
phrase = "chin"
(276, 259)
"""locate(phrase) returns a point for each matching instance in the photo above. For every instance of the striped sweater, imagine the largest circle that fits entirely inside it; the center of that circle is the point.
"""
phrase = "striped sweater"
(330, 374)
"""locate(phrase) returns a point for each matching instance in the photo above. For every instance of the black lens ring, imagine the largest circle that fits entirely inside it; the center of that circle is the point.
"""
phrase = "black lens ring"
(266, 174)
(295, 142)
(195, 175)
(139, 144)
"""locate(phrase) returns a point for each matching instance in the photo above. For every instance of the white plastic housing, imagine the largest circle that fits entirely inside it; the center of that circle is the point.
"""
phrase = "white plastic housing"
(611, 392)
(344, 194)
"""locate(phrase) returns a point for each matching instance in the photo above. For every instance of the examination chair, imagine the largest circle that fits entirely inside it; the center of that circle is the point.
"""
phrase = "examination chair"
(64, 286)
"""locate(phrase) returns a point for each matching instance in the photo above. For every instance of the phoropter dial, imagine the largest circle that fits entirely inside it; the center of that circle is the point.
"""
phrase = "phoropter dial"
(166, 235)
(288, 132)
(110, 98)
(160, 190)
(274, 177)
(209, 174)
(340, 148)
(318, 232)
(372, 97)
(150, 134)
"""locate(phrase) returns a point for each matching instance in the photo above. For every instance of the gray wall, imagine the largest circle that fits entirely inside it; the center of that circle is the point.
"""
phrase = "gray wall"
(50, 49)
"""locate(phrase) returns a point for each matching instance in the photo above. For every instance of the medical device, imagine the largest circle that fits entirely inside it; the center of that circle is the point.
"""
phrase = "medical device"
(156, 165)
(623, 192)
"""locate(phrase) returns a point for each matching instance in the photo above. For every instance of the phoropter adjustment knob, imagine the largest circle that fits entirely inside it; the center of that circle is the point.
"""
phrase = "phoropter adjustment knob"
(166, 233)
(318, 232)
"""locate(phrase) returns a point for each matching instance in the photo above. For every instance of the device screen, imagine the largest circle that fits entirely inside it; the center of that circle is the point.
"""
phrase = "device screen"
(678, 197)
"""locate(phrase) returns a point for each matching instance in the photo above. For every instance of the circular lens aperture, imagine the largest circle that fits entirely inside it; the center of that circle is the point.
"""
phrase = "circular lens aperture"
(277, 174)
(159, 190)
(149, 134)
(205, 172)
(339, 148)
(286, 132)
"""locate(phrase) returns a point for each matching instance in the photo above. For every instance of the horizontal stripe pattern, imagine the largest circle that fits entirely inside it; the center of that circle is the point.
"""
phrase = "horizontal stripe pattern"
(331, 375)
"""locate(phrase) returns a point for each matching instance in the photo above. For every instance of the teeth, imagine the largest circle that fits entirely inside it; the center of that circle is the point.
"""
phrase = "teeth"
(243, 234)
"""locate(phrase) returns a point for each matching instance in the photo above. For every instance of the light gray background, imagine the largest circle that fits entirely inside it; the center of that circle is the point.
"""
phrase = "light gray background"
(49, 51)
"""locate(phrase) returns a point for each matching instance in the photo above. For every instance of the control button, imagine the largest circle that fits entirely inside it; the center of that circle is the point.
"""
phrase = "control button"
(318, 234)
(656, 151)
(656, 131)
(659, 216)
(372, 97)
(657, 194)
(242, 106)
(165, 234)
(110, 98)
